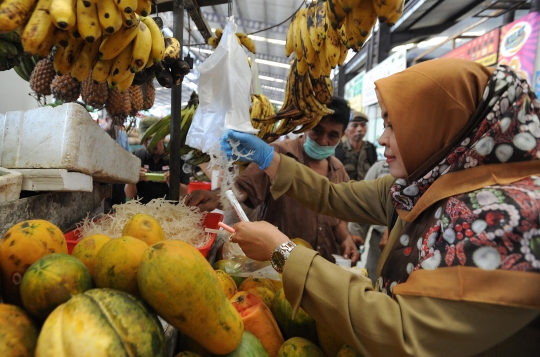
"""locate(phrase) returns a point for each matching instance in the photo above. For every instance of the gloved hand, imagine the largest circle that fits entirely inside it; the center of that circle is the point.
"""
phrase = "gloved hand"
(259, 151)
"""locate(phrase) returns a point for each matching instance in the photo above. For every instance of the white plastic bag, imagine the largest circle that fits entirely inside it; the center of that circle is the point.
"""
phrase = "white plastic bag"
(224, 93)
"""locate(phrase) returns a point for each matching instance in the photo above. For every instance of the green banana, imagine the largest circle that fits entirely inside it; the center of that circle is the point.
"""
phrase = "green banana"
(12, 36)
(8, 49)
(198, 158)
(161, 133)
(18, 69)
(153, 129)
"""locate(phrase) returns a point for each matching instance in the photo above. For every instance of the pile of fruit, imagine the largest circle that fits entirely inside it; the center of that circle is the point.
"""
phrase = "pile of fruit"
(105, 298)
(320, 36)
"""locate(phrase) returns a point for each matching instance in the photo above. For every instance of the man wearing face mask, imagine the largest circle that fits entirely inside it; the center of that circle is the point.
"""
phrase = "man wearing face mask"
(314, 149)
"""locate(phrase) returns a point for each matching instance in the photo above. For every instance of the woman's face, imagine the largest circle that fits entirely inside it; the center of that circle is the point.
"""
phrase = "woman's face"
(391, 150)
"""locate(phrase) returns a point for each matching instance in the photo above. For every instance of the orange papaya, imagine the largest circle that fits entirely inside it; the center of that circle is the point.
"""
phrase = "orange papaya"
(299, 347)
(262, 287)
(18, 333)
(329, 342)
(52, 281)
(87, 248)
(180, 284)
(144, 227)
(258, 320)
(227, 283)
(21, 246)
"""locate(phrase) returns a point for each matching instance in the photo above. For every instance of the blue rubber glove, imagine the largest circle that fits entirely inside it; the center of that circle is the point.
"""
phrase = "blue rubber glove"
(261, 152)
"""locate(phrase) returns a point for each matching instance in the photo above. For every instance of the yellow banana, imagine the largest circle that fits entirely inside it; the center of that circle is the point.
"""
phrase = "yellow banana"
(343, 52)
(213, 41)
(302, 67)
(144, 7)
(88, 21)
(120, 69)
(85, 61)
(110, 18)
(219, 32)
(126, 83)
(309, 52)
(364, 17)
(158, 43)
(247, 42)
(61, 37)
(315, 68)
(129, 19)
(37, 28)
(332, 46)
(337, 14)
(348, 5)
(326, 68)
(386, 9)
(126, 6)
(393, 18)
(312, 101)
(45, 47)
(101, 70)
(142, 46)
(289, 43)
(112, 45)
(65, 57)
(298, 33)
(14, 13)
(63, 13)
(311, 22)
(322, 89)
(173, 50)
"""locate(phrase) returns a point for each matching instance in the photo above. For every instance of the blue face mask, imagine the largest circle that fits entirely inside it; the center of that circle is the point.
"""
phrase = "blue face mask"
(316, 151)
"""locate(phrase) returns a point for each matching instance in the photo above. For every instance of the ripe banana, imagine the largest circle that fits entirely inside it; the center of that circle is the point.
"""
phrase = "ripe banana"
(213, 41)
(393, 18)
(219, 33)
(173, 50)
(63, 13)
(322, 89)
(312, 101)
(312, 27)
(142, 46)
(158, 43)
(247, 42)
(129, 19)
(289, 43)
(37, 27)
(300, 18)
(61, 37)
(110, 18)
(101, 70)
(65, 57)
(112, 45)
(14, 13)
(386, 9)
(126, 83)
(126, 6)
(348, 5)
(88, 21)
(337, 14)
(121, 67)
(85, 61)
(364, 18)
(163, 75)
(333, 44)
(144, 7)
(45, 47)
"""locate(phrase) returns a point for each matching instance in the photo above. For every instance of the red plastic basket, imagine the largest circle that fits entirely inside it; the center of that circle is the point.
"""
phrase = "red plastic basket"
(199, 185)
(210, 221)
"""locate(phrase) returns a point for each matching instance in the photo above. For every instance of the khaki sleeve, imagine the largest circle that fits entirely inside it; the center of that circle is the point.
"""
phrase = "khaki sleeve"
(354, 201)
(377, 325)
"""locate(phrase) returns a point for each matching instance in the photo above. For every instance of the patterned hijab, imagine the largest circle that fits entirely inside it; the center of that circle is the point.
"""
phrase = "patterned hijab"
(477, 126)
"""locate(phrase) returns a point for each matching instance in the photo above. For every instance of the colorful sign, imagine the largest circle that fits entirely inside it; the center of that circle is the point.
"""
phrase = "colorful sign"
(353, 91)
(482, 49)
(395, 63)
(518, 45)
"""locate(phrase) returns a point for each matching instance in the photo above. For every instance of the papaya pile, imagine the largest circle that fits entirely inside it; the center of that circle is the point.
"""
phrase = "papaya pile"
(106, 298)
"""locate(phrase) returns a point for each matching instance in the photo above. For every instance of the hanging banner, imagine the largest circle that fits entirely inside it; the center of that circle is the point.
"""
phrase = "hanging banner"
(518, 45)
(395, 63)
(353, 92)
(483, 49)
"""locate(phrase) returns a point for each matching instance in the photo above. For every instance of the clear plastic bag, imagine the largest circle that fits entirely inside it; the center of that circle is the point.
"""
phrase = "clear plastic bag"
(224, 93)
(245, 266)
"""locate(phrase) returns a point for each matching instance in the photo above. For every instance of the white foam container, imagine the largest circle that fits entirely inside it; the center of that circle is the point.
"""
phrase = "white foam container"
(10, 185)
(65, 137)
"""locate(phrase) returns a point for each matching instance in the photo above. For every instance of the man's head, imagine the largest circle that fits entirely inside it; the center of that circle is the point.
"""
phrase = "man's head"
(159, 149)
(357, 127)
(322, 140)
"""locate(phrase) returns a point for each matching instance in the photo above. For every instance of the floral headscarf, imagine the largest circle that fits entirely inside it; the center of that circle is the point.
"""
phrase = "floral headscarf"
(500, 127)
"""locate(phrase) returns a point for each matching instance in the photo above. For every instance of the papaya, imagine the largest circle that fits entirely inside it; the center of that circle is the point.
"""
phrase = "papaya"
(262, 287)
(250, 346)
(348, 351)
(87, 248)
(278, 284)
(329, 342)
(21, 246)
(230, 267)
(302, 242)
(51, 281)
(101, 322)
(227, 283)
(258, 320)
(180, 284)
(299, 347)
(144, 227)
(117, 262)
(302, 325)
(18, 333)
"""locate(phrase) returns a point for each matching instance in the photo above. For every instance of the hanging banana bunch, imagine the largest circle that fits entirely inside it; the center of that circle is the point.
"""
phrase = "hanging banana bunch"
(242, 38)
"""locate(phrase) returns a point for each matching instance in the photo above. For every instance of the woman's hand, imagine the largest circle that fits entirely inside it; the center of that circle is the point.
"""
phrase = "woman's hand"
(258, 239)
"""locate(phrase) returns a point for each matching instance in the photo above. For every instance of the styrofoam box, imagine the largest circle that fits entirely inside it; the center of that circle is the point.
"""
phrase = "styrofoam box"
(10, 185)
(65, 137)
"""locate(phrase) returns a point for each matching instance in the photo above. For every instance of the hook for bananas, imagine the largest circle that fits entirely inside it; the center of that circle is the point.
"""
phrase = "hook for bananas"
(230, 7)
